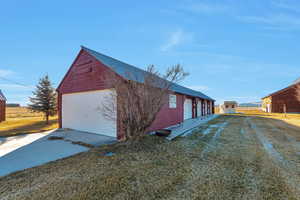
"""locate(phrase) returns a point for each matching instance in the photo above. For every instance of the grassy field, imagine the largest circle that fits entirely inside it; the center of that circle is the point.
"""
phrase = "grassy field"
(293, 119)
(20, 120)
(244, 156)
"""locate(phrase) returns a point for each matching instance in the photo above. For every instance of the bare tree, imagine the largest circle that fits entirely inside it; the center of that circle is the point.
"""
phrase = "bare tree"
(137, 99)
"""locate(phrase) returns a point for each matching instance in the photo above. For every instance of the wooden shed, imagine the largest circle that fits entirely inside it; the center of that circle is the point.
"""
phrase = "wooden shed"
(286, 100)
(2, 106)
(84, 87)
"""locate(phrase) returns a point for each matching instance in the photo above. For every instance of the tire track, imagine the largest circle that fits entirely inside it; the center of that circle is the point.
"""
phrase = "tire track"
(268, 146)
(212, 143)
(285, 167)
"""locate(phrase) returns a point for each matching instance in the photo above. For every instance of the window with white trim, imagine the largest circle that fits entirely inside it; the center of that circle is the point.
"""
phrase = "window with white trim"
(172, 101)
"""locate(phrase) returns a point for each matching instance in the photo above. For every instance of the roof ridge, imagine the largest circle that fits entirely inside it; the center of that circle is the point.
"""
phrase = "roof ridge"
(281, 90)
(83, 47)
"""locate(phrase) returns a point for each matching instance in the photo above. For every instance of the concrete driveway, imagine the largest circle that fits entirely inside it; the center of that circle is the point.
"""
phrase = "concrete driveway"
(26, 151)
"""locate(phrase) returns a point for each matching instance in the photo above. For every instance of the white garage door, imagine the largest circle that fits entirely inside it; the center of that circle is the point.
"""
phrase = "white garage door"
(199, 107)
(188, 107)
(82, 111)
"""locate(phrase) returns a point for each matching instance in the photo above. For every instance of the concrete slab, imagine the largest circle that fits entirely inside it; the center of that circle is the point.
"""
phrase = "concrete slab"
(85, 137)
(31, 150)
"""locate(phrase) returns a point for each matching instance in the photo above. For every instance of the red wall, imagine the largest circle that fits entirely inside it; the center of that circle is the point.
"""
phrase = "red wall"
(85, 74)
(169, 116)
(288, 98)
(2, 110)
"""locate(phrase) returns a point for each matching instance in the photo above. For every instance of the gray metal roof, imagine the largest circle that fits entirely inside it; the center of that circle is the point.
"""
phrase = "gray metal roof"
(284, 89)
(297, 81)
(136, 74)
(2, 97)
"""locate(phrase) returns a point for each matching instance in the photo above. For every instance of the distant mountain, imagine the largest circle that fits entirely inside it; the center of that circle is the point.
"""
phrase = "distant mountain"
(253, 104)
(13, 105)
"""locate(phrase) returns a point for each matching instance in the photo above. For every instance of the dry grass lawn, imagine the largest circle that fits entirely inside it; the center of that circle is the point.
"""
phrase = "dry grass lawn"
(20, 120)
(293, 119)
(232, 157)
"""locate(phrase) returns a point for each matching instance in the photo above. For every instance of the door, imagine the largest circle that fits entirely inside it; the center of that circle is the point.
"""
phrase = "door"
(199, 111)
(268, 108)
(83, 111)
(188, 109)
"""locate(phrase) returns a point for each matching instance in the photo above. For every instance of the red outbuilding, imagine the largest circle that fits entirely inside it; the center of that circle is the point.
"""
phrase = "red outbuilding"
(2, 106)
(84, 87)
(286, 100)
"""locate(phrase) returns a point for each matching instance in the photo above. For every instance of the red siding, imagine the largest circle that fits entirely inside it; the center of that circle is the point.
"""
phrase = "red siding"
(85, 74)
(169, 116)
(2, 110)
(287, 98)
(194, 107)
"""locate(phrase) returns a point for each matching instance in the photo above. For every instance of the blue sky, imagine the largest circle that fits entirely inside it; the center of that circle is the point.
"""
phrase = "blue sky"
(233, 49)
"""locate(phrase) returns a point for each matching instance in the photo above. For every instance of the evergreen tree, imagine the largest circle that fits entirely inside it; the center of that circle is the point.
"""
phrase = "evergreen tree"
(44, 98)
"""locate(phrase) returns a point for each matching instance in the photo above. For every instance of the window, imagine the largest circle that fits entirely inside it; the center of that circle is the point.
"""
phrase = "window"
(227, 106)
(172, 101)
(232, 106)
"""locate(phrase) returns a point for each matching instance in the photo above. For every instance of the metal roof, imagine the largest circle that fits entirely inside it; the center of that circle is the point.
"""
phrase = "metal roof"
(2, 97)
(136, 74)
(297, 81)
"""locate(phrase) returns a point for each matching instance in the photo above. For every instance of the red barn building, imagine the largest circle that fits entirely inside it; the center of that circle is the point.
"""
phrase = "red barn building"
(2, 106)
(84, 87)
(286, 100)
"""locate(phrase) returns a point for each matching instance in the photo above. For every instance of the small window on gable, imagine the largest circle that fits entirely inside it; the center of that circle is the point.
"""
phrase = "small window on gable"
(172, 101)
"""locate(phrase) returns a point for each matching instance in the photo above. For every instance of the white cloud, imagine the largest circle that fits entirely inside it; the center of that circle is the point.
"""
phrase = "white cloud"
(199, 87)
(206, 8)
(5, 73)
(275, 21)
(291, 6)
(16, 87)
(176, 38)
